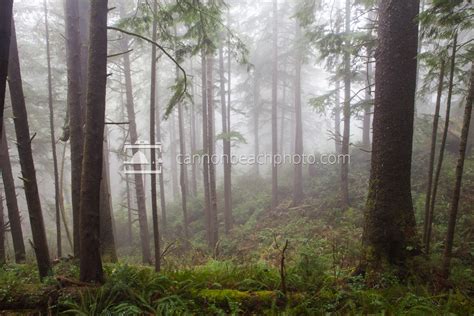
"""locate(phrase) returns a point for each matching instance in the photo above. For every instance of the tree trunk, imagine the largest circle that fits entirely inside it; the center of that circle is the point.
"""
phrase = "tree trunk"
(5, 33)
(453, 211)
(14, 217)
(390, 229)
(443, 143)
(214, 225)
(2, 233)
(205, 148)
(298, 175)
(434, 135)
(61, 198)
(154, 204)
(346, 110)
(107, 231)
(76, 122)
(337, 118)
(366, 125)
(139, 189)
(161, 174)
(256, 120)
(53, 137)
(26, 159)
(225, 145)
(90, 260)
(275, 105)
(192, 134)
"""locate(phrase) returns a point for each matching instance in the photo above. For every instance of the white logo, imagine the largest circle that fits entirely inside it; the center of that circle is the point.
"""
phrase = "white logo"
(139, 163)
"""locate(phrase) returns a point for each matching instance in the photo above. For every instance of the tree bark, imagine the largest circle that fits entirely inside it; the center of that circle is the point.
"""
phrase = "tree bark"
(390, 229)
(2, 233)
(275, 105)
(214, 225)
(53, 137)
(12, 204)
(453, 211)
(61, 199)
(298, 175)
(139, 189)
(26, 159)
(205, 146)
(76, 121)
(5, 34)
(161, 174)
(225, 144)
(434, 135)
(90, 260)
(443, 140)
(346, 110)
(192, 136)
(154, 204)
(107, 231)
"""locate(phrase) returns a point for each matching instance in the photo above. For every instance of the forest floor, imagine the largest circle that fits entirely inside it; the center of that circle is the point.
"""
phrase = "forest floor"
(243, 275)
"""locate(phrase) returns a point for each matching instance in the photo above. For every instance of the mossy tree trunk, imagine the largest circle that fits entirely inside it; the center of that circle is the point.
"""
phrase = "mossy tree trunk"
(6, 7)
(390, 229)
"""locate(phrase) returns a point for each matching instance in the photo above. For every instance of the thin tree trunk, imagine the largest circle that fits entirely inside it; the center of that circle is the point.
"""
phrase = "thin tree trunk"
(6, 7)
(390, 228)
(182, 175)
(173, 152)
(443, 143)
(298, 175)
(275, 105)
(453, 211)
(107, 231)
(346, 110)
(139, 189)
(26, 159)
(74, 95)
(205, 145)
(214, 225)
(225, 145)
(2, 233)
(61, 198)
(256, 120)
(154, 204)
(12, 204)
(90, 260)
(53, 137)
(161, 174)
(434, 135)
(337, 118)
(192, 134)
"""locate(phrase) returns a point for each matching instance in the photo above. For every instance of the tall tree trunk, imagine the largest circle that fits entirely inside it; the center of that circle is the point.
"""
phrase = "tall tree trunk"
(107, 231)
(5, 33)
(26, 159)
(214, 225)
(173, 153)
(366, 125)
(205, 148)
(139, 188)
(275, 105)
(154, 204)
(182, 175)
(390, 229)
(53, 137)
(61, 198)
(346, 110)
(337, 118)
(12, 204)
(90, 260)
(225, 144)
(443, 143)
(434, 135)
(453, 211)
(298, 175)
(192, 136)
(76, 121)
(129, 212)
(256, 120)
(161, 174)
(2, 233)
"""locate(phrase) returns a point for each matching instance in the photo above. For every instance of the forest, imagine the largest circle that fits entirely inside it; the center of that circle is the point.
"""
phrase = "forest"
(236, 157)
